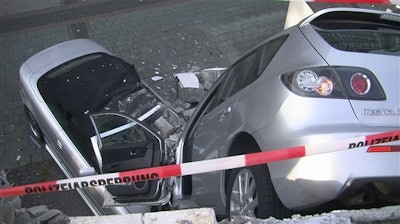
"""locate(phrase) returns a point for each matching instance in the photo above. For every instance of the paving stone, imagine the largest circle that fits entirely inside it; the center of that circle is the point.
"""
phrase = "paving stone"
(164, 126)
(9, 7)
(189, 88)
(49, 215)
(37, 211)
(15, 48)
(22, 216)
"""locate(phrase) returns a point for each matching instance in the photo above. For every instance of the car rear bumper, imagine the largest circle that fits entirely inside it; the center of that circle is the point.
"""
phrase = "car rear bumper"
(337, 175)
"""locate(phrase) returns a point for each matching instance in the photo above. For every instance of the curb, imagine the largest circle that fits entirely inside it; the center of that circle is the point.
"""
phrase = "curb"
(198, 216)
(389, 215)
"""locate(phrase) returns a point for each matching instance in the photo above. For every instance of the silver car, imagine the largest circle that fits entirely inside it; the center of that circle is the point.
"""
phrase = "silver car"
(335, 75)
(93, 114)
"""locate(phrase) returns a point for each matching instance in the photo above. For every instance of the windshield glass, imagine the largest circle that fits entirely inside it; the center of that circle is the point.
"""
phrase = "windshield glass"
(365, 41)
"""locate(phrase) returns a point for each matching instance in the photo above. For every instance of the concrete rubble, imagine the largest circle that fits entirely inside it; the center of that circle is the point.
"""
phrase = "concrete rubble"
(168, 119)
(189, 88)
(12, 213)
(192, 86)
(195, 216)
(387, 215)
(152, 113)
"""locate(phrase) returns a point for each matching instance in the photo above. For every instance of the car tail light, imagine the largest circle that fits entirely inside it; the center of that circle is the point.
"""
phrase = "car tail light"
(360, 83)
(334, 82)
(324, 86)
(384, 149)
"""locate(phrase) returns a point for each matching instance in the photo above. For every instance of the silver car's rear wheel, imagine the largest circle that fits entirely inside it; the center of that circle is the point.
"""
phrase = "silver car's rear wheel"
(34, 126)
(244, 197)
(250, 193)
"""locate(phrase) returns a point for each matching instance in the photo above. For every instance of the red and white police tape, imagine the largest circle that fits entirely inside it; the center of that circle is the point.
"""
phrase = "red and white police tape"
(207, 165)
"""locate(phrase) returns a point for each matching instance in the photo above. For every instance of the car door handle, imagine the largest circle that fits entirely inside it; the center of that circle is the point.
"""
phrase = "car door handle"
(223, 113)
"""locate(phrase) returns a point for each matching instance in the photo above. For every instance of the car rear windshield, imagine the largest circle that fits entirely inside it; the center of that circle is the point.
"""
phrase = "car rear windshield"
(360, 32)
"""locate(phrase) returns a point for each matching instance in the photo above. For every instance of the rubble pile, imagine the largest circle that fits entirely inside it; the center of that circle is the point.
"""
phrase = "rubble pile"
(192, 86)
(148, 109)
(168, 119)
(12, 213)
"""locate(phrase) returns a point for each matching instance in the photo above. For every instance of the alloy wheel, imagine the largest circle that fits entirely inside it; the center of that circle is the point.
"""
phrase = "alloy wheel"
(244, 197)
(33, 125)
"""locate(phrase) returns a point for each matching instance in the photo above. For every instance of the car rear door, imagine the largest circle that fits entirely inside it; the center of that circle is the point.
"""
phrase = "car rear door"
(210, 135)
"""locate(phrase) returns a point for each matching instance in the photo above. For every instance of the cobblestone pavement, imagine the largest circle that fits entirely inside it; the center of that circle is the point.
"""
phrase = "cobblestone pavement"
(158, 36)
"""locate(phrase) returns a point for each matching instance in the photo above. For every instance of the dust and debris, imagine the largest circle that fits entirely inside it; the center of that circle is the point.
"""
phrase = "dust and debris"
(144, 106)
(164, 126)
(156, 78)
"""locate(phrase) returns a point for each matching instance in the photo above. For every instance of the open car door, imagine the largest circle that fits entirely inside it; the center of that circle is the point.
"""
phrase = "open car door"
(122, 144)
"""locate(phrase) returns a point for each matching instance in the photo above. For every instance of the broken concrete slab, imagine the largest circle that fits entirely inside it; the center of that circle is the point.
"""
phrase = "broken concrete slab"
(108, 219)
(51, 216)
(190, 95)
(22, 216)
(209, 76)
(164, 126)
(198, 216)
(188, 80)
(37, 211)
(189, 88)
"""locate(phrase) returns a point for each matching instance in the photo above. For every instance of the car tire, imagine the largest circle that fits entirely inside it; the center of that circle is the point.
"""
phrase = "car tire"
(255, 196)
(34, 127)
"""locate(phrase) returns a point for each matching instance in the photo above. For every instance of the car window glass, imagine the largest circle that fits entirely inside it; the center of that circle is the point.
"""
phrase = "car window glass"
(121, 143)
(236, 78)
(245, 72)
(359, 32)
(267, 52)
(248, 69)
(118, 130)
